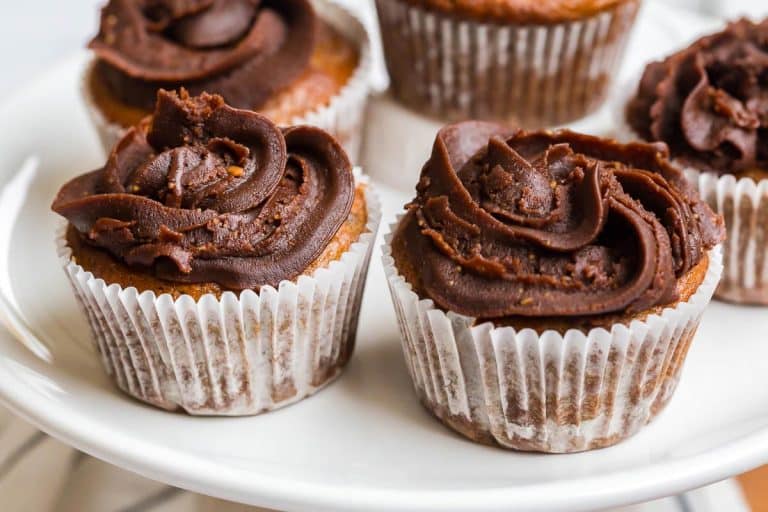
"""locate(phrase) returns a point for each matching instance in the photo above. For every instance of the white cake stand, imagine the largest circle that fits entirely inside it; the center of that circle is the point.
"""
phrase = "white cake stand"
(364, 443)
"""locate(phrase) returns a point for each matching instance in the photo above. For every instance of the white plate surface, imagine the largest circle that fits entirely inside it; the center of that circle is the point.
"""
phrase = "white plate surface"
(364, 443)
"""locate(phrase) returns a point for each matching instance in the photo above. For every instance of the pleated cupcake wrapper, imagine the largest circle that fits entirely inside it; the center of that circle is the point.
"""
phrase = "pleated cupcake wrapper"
(538, 75)
(230, 355)
(743, 203)
(545, 391)
(343, 117)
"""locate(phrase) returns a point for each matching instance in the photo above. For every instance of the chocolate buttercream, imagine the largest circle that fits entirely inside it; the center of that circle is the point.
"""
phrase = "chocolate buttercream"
(709, 102)
(244, 50)
(207, 193)
(544, 224)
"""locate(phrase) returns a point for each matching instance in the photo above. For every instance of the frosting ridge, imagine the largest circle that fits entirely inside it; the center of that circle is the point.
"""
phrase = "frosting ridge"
(709, 102)
(508, 222)
(244, 50)
(203, 192)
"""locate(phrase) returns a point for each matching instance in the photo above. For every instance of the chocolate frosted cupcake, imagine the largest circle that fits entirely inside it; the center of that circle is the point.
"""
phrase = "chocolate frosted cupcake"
(219, 259)
(548, 284)
(542, 63)
(279, 58)
(709, 104)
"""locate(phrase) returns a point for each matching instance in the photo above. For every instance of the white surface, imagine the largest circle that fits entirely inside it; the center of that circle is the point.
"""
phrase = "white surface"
(41, 474)
(364, 443)
(725, 7)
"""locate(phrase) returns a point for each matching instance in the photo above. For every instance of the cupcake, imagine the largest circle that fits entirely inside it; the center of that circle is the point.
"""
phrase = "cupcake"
(709, 104)
(548, 285)
(220, 260)
(542, 63)
(281, 59)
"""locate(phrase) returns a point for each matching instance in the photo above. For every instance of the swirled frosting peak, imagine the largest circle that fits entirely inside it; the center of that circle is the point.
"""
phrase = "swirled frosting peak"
(244, 50)
(709, 102)
(549, 224)
(207, 193)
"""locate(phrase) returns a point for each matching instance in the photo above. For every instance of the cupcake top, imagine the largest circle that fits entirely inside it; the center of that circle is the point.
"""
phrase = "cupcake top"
(550, 224)
(709, 102)
(244, 50)
(204, 193)
(520, 11)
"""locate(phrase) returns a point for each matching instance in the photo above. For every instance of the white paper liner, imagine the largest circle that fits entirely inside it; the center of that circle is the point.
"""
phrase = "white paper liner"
(544, 392)
(230, 355)
(743, 203)
(538, 75)
(343, 117)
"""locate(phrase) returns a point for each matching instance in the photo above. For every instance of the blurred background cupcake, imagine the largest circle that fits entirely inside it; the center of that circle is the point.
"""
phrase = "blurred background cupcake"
(549, 284)
(541, 63)
(709, 104)
(220, 260)
(296, 61)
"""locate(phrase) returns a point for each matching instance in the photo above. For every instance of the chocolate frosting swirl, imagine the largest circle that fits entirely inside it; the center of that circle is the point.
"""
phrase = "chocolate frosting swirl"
(709, 102)
(547, 224)
(207, 193)
(244, 50)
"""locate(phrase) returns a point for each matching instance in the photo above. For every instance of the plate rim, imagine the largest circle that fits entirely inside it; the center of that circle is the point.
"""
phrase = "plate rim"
(185, 471)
